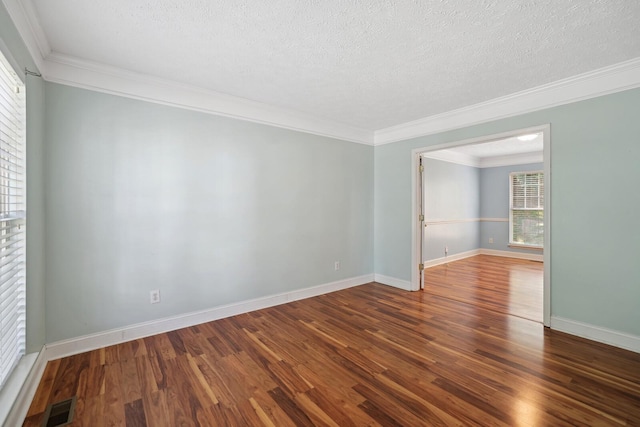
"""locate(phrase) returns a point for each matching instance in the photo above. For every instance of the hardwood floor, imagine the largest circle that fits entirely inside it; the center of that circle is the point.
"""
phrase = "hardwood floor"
(369, 355)
(507, 285)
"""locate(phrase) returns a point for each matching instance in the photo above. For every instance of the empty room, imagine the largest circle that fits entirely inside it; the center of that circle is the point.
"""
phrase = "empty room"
(335, 213)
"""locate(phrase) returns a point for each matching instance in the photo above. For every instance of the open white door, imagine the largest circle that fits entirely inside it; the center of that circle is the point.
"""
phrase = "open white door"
(421, 223)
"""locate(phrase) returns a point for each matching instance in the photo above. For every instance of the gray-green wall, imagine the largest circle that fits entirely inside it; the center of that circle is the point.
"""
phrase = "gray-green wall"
(209, 210)
(212, 210)
(595, 244)
(14, 47)
(451, 192)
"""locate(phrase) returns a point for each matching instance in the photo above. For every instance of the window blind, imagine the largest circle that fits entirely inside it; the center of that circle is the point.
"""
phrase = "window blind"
(12, 219)
(527, 209)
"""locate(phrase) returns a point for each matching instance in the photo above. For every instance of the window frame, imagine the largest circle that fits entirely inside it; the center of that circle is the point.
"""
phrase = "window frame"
(12, 217)
(540, 196)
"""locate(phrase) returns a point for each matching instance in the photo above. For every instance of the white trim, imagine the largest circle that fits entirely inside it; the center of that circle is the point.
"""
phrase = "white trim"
(85, 343)
(512, 209)
(509, 254)
(17, 394)
(428, 150)
(546, 256)
(28, 25)
(520, 246)
(452, 156)
(511, 160)
(98, 77)
(33, 20)
(77, 72)
(27, 375)
(597, 333)
(416, 225)
(481, 251)
(101, 78)
(494, 219)
(429, 222)
(81, 73)
(393, 281)
(451, 258)
(457, 221)
(603, 81)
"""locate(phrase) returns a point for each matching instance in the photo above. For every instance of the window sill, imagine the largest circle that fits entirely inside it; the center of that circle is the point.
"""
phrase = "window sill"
(13, 386)
(518, 246)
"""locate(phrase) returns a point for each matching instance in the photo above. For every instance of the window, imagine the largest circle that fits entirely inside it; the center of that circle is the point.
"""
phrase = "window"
(12, 219)
(526, 210)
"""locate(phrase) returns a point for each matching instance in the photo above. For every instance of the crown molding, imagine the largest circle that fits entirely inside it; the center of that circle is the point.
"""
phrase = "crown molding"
(98, 77)
(611, 79)
(84, 74)
(24, 17)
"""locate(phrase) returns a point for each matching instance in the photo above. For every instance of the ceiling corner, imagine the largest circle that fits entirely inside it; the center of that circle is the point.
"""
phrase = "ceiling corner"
(611, 79)
(25, 19)
(88, 75)
(84, 74)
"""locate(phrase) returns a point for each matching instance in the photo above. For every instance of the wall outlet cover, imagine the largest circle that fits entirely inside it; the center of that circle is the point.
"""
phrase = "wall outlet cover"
(154, 296)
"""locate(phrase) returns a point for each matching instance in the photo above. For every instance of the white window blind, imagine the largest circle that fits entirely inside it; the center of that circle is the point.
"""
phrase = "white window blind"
(12, 219)
(526, 213)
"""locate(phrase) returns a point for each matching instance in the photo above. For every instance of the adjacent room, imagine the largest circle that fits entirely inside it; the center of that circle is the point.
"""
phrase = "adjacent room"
(486, 199)
(303, 213)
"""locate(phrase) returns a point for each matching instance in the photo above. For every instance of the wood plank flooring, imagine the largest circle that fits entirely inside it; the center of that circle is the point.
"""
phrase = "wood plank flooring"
(507, 285)
(369, 355)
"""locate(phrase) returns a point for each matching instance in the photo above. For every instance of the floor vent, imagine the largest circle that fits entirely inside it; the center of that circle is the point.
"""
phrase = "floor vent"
(59, 414)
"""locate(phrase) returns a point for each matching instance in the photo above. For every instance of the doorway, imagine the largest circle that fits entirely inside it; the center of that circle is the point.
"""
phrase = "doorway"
(442, 234)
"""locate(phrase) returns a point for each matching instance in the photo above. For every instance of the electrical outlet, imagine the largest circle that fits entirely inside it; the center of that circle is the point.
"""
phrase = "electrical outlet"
(154, 296)
(336, 266)
(490, 239)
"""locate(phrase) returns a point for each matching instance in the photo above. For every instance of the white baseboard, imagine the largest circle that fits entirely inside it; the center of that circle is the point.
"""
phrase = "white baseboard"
(474, 252)
(596, 333)
(27, 377)
(509, 254)
(450, 258)
(35, 368)
(393, 281)
(32, 368)
(85, 343)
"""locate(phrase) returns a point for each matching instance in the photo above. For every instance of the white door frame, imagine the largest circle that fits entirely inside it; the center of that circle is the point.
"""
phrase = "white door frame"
(416, 224)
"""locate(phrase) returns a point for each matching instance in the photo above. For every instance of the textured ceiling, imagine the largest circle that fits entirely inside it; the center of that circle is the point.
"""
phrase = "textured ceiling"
(370, 64)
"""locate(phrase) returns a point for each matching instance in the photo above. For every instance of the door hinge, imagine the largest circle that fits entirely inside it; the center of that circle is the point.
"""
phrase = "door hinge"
(421, 168)
(421, 218)
(420, 267)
